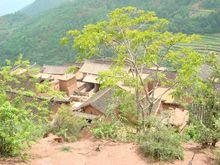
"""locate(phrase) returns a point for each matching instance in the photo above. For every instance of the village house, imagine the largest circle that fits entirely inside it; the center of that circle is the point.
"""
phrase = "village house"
(90, 72)
(29, 84)
(59, 78)
(98, 104)
(83, 87)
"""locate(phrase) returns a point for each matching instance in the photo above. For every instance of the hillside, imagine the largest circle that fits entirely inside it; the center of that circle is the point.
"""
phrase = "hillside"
(40, 6)
(11, 6)
(48, 151)
(35, 30)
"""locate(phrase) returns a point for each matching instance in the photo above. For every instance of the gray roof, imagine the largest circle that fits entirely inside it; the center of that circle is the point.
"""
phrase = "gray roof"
(90, 78)
(92, 67)
(100, 101)
(58, 70)
(85, 115)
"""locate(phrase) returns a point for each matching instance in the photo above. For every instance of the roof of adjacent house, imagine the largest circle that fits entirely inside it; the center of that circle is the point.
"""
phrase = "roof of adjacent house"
(66, 77)
(57, 70)
(84, 115)
(169, 74)
(92, 67)
(90, 78)
(100, 101)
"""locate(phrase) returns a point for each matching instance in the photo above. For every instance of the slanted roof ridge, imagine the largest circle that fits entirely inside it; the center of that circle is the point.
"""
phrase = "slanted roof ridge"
(95, 97)
(99, 94)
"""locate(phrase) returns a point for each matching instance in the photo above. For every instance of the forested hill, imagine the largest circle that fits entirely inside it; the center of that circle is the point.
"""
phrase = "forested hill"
(35, 30)
(40, 6)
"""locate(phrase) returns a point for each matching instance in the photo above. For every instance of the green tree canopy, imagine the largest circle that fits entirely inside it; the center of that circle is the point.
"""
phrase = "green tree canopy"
(138, 40)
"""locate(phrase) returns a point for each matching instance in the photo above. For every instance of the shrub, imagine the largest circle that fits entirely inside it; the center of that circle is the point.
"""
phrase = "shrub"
(114, 130)
(105, 130)
(161, 142)
(23, 116)
(190, 132)
(17, 130)
(206, 136)
(67, 125)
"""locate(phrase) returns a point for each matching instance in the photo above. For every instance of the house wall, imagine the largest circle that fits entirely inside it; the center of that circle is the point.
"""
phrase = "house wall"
(166, 106)
(79, 76)
(55, 86)
(96, 89)
(91, 110)
(89, 86)
(69, 86)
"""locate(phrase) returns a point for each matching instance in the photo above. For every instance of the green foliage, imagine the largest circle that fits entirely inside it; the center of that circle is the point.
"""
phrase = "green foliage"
(66, 149)
(45, 88)
(105, 130)
(72, 69)
(160, 142)
(206, 136)
(115, 130)
(137, 40)
(17, 130)
(40, 41)
(67, 125)
(205, 114)
(191, 132)
(40, 6)
(23, 117)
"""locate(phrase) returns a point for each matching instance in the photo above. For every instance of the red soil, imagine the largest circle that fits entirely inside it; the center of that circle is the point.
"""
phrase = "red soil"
(95, 152)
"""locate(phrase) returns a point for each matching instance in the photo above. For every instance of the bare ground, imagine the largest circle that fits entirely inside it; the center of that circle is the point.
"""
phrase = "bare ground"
(89, 151)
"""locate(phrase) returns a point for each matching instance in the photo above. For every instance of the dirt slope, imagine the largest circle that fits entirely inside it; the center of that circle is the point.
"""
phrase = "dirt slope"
(95, 152)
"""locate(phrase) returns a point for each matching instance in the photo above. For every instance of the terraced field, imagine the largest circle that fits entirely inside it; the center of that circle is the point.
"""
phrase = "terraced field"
(208, 43)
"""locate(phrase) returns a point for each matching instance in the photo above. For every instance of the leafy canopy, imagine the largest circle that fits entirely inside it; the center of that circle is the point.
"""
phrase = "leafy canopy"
(138, 40)
(23, 116)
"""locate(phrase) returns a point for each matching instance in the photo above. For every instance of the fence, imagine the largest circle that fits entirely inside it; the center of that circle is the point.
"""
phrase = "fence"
(204, 113)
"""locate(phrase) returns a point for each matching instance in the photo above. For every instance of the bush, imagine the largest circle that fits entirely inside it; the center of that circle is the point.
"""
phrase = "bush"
(105, 130)
(114, 130)
(190, 132)
(161, 142)
(17, 130)
(202, 134)
(67, 125)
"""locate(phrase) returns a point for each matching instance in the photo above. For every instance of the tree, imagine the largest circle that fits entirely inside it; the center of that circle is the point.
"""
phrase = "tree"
(206, 104)
(23, 118)
(136, 39)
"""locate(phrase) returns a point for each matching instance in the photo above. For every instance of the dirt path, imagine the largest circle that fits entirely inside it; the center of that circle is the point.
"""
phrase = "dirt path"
(95, 152)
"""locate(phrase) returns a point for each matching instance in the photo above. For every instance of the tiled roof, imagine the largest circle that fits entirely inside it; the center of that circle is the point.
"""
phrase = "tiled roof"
(100, 101)
(58, 70)
(91, 67)
(91, 79)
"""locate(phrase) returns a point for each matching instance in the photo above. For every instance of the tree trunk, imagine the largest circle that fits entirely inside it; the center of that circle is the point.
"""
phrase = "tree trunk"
(214, 142)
